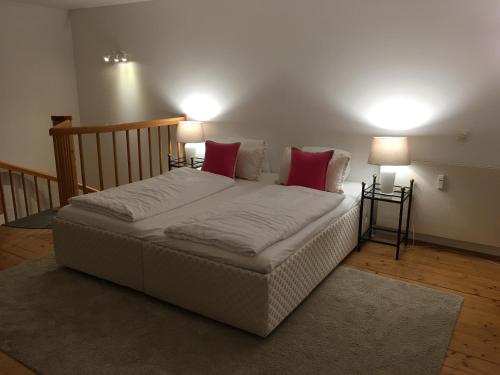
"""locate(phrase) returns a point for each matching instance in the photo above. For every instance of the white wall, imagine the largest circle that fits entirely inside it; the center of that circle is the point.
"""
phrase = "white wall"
(466, 211)
(37, 80)
(310, 72)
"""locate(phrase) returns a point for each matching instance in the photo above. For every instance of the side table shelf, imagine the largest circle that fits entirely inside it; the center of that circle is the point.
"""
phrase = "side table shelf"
(192, 162)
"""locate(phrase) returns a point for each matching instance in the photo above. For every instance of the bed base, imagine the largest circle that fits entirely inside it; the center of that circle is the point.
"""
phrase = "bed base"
(249, 300)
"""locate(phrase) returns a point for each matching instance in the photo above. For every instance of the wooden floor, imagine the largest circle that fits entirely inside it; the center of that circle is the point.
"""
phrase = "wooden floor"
(17, 246)
(475, 345)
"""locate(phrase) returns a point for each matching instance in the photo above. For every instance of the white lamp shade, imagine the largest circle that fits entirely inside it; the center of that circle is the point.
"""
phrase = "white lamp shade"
(389, 151)
(190, 132)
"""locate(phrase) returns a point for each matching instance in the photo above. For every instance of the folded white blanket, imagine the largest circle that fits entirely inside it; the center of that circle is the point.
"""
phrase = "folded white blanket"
(250, 224)
(146, 198)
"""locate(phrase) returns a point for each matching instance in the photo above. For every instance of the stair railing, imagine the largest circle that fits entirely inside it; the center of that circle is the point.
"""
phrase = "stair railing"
(24, 176)
(64, 134)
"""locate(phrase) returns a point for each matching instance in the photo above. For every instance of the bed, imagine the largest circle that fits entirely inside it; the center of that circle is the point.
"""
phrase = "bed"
(251, 293)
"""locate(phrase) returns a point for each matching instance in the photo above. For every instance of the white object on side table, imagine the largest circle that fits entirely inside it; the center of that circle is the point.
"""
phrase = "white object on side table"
(191, 132)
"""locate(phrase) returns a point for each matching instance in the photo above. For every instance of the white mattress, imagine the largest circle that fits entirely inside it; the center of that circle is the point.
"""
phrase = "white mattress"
(151, 229)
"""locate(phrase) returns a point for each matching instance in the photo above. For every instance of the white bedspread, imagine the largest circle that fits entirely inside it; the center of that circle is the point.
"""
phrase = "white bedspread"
(146, 198)
(250, 224)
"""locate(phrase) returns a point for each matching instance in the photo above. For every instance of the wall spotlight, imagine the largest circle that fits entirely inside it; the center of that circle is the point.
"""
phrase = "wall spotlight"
(116, 56)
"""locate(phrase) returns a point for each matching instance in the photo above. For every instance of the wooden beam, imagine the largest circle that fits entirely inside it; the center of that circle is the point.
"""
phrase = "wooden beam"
(117, 127)
(169, 155)
(37, 194)
(50, 194)
(160, 150)
(2, 198)
(13, 193)
(64, 152)
(115, 160)
(31, 172)
(82, 163)
(139, 152)
(26, 195)
(57, 120)
(89, 189)
(150, 154)
(99, 160)
(129, 161)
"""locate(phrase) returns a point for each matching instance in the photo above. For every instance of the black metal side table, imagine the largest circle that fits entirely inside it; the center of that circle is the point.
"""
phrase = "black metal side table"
(192, 162)
(400, 195)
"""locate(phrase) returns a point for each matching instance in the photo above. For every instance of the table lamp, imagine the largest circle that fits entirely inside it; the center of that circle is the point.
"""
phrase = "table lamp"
(190, 132)
(388, 152)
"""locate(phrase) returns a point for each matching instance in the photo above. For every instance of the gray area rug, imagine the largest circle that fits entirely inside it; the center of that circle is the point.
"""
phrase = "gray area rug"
(41, 220)
(58, 321)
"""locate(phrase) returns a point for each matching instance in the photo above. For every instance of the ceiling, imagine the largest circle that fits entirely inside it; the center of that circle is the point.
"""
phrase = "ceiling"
(77, 4)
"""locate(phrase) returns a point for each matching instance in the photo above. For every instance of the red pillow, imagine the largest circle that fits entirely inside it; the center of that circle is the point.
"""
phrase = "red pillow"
(309, 169)
(220, 158)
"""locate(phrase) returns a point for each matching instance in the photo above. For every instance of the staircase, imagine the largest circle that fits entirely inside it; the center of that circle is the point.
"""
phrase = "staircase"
(25, 192)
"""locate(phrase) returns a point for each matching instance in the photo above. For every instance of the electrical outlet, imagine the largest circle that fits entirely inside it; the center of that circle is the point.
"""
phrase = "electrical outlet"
(463, 135)
(440, 181)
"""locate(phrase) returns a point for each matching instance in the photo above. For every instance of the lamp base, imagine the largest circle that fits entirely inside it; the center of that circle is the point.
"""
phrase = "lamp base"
(387, 182)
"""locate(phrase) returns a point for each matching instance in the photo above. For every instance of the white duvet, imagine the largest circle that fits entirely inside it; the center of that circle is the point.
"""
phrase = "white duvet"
(250, 224)
(146, 198)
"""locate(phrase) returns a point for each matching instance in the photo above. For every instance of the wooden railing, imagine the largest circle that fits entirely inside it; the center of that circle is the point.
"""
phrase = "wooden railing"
(21, 207)
(64, 135)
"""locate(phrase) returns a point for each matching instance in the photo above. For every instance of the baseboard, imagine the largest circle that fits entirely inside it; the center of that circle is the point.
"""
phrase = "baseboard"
(457, 244)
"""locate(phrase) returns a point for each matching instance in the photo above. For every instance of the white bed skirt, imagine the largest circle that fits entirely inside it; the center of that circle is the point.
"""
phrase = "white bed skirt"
(252, 301)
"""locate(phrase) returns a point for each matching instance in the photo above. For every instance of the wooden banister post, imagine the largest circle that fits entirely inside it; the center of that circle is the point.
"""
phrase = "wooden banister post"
(64, 153)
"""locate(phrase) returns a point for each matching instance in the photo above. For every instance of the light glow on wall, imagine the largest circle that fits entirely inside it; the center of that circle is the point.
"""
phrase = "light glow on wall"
(394, 168)
(399, 113)
(130, 102)
(201, 107)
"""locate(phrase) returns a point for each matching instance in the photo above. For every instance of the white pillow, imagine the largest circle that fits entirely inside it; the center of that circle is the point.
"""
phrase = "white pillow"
(266, 165)
(285, 165)
(250, 158)
(338, 168)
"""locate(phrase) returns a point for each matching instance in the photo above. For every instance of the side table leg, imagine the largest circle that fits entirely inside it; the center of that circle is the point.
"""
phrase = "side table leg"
(360, 223)
(400, 224)
(372, 205)
(408, 212)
